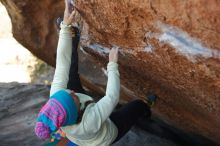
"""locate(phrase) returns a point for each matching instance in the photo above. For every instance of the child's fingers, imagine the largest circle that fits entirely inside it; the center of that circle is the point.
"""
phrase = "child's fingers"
(69, 7)
(72, 15)
(115, 49)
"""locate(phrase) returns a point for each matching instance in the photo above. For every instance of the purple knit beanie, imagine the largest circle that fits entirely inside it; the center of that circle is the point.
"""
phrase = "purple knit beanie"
(60, 110)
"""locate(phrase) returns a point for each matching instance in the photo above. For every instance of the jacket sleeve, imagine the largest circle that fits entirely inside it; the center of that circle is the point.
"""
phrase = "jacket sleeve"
(104, 107)
(63, 60)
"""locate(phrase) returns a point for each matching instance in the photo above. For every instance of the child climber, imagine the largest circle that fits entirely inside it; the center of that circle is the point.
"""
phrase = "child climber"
(84, 122)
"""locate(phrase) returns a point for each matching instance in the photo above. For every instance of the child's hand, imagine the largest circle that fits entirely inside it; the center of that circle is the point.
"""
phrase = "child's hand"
(113, 55)
(69, 12)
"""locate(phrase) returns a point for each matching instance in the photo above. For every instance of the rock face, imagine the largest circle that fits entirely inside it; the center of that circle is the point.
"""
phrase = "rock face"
(170, 48)
(20, 104)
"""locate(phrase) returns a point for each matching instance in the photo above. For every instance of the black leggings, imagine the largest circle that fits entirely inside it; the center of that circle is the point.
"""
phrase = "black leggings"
(126, 116)
(74, 80)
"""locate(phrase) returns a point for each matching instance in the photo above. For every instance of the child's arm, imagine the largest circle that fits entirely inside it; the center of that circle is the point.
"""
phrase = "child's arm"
(104, 107)
(64, 51)
(63, 60)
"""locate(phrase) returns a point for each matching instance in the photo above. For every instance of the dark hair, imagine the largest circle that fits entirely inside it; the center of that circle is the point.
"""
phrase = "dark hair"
(82, 111)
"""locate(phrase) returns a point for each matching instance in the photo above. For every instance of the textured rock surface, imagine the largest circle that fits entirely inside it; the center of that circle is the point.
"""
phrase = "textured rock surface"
(20, 104)
(168, 47)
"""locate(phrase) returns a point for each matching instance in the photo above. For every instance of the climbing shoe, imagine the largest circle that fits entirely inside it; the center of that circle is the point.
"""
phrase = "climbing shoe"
(150, 100)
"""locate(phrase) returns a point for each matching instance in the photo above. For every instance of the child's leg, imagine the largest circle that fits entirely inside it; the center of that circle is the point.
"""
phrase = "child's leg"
(128, 115)
(74, 80)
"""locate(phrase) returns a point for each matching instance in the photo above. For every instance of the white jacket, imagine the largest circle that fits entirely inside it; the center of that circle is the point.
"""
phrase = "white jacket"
(95, 128)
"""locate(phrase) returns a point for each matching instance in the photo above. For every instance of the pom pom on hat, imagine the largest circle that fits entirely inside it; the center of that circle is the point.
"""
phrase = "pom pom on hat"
(42, 131)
